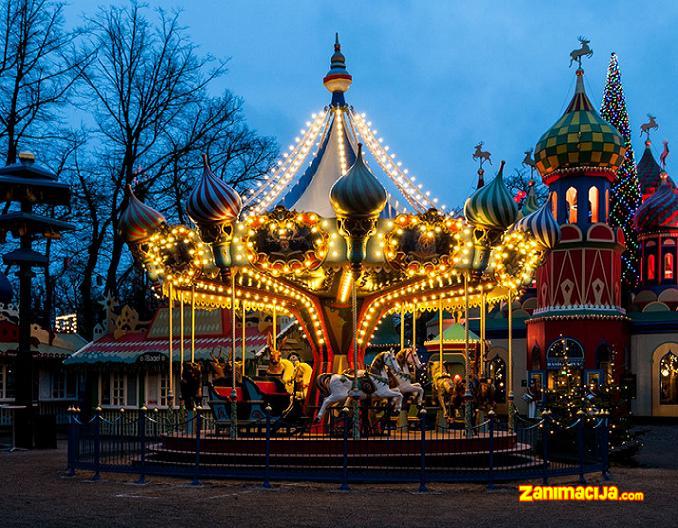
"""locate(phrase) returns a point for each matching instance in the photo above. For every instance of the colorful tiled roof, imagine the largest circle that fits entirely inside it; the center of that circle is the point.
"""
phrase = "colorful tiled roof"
(579, 139)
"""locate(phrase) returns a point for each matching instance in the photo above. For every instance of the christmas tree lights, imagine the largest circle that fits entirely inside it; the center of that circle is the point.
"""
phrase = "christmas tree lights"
(625, 197)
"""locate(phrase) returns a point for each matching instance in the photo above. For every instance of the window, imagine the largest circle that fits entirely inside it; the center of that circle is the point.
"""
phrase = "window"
(164, 388)
(668, 379)
(668, 266)
(554, 204)
(593, 205)
(571, 199)
(132, 392)
(650, 267)
(118, 389)
(498, 378)
(59, 384)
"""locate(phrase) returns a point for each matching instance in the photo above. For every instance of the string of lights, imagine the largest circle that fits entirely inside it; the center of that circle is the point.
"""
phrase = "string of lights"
(625, 196)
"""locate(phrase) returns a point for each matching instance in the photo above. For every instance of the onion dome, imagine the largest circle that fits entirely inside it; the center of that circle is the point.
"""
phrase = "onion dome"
(138, 221)
(492, 206)
(531, 204)
(541, 225)
(337, 79)
(580, 139)
(358, 193)
(213, 201)
(649, 172)
(659, 211)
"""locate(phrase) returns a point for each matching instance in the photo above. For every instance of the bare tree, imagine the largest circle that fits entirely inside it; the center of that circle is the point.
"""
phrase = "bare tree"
(147, 89)
(520, 181)
(36, 71)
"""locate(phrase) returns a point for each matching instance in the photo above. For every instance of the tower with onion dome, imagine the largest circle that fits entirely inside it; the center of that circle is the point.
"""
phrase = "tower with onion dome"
(656, 221)
(578, 283)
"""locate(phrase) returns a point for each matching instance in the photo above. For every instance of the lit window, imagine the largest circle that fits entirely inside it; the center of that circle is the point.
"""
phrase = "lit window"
(571, 199)
(593, 205)
(554, 204)
(650, 267)
(668, 266)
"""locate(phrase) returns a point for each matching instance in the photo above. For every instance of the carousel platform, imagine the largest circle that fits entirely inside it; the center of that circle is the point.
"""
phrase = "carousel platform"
(401, 451)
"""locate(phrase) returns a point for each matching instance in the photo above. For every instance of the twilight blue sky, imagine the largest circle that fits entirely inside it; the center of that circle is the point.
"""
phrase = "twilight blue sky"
(436, 77)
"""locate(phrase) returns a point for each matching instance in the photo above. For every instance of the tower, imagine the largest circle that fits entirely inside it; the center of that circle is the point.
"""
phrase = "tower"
(579, 311)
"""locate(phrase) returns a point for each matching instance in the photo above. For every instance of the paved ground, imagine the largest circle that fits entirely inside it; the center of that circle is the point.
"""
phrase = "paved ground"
(33, 492)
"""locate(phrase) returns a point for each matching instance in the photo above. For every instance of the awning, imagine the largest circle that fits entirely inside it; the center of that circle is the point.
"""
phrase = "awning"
(134, 348)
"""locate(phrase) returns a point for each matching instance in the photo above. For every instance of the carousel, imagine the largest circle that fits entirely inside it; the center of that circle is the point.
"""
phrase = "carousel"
(325, 241)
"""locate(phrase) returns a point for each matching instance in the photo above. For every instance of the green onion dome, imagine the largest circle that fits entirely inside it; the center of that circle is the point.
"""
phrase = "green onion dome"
(213, 201)
(531, 204)
(580, 139)
(660, 211)
(358, 193)
(541, 225)
(138, 221)
(492, 206)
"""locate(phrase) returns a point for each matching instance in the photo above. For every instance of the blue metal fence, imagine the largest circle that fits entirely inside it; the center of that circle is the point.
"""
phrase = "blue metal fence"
(190, 445)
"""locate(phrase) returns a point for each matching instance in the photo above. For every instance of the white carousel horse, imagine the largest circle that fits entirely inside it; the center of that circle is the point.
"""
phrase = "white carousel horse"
(405, 378)
(337, 387)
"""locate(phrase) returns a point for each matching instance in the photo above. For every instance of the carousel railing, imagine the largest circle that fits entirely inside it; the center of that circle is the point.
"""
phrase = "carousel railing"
(419, 447)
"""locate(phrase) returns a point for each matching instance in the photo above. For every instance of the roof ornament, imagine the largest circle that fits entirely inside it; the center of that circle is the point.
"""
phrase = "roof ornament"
(664, 154)
(584, 51)
(482, 156)
(650, 125)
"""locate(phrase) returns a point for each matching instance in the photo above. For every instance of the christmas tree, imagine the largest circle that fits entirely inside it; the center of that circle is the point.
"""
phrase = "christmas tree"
(625, 196)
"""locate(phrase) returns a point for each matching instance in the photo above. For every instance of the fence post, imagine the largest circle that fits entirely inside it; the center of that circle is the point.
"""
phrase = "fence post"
(344, 467)
(545, 432)
(198, 427)
(490, 481)
(605, 446)
(142, 443)
(71, 442)
(422, 452)
(97, 444)
(267, 471)
(580, 445)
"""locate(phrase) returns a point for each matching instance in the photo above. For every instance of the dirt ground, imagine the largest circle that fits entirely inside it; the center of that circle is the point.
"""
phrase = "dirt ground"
(34, 492)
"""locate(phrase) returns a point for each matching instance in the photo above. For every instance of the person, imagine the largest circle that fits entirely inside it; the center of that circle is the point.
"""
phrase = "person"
(533, 397)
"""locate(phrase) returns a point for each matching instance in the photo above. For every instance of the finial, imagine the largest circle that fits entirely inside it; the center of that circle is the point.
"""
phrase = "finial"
(337, 80)
(337, 46)
(650, 125)
(583, 51)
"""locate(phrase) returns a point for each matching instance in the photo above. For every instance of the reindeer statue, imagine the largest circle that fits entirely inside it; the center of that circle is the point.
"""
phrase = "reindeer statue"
(528, 161)
(583, 51)
(650, 125)
(481, 155)
(278, 366)
(222, 370)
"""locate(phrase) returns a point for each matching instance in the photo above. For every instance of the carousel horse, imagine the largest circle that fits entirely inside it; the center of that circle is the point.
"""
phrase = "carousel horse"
(409, 363)
(373, 381)
(483, 392)
(448, 390)
(278, 366)
(191, 384)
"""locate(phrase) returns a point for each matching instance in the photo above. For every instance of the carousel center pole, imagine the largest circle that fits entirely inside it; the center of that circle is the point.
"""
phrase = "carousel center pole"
(234, 393)
(468, 396)
(511, 408)
(181, 334)
(193, 324)
(483, 320)
(355, 394)
(243, 336)
(402, 328)
(414, 328)
(170, 384)
(440, 336)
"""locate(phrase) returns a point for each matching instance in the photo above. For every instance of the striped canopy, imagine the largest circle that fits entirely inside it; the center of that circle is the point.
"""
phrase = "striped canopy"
(138, 221)
(212, 200)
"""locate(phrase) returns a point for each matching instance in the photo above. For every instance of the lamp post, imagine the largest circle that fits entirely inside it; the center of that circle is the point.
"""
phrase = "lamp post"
(28, 184)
